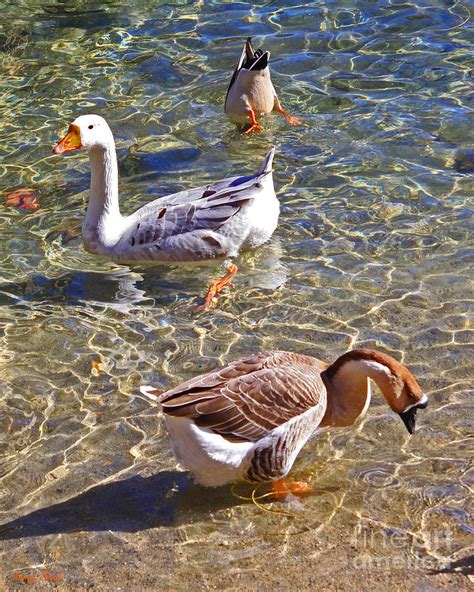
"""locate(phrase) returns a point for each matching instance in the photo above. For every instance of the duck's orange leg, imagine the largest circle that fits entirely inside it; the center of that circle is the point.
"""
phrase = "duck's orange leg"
(280, 488)
(217, 287)
(255, 126)
(290, 118)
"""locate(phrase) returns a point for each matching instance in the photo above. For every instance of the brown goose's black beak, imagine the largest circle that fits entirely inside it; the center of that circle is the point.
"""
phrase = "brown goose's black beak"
(409, 417)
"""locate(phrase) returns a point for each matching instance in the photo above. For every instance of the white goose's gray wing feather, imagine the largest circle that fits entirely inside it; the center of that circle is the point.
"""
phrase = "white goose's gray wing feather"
(198, 193)
(183, 215)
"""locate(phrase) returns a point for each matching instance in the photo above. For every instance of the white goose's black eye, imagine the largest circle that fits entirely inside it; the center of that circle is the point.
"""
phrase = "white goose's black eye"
(91, 126)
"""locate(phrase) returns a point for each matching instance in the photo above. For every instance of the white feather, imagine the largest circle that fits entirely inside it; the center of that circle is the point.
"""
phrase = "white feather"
(145, 390)
(212, 459)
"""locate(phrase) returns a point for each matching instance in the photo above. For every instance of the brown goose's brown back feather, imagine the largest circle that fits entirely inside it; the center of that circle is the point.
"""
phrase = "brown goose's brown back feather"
(251, 396)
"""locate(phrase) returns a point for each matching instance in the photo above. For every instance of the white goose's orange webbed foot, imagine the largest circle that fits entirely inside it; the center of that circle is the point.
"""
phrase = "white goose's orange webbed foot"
(280, 489)
(216, 288)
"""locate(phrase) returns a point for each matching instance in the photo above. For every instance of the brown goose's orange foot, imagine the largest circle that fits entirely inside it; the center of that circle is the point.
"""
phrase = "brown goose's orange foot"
(255, 127)
(216, 288)
(280, 489)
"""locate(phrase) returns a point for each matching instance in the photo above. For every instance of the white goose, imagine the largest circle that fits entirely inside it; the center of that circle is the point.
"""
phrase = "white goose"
(249, 420)
(209, 222)
(251, 93)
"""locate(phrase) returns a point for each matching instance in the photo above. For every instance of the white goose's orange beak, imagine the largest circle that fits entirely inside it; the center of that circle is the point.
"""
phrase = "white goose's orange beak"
(71, 141)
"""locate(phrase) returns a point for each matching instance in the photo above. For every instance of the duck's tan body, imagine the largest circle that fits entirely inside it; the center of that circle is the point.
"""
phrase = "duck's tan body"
(251, 90)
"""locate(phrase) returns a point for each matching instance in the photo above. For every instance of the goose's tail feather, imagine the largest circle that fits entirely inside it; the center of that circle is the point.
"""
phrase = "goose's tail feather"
(267, 163)
(150, 393)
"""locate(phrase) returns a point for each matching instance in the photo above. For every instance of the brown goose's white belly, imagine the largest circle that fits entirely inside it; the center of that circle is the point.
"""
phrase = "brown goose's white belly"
(212, 459)
(215, 461)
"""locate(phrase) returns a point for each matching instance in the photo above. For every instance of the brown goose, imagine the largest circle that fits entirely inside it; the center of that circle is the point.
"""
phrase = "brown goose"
(249, 420)
(251, 93)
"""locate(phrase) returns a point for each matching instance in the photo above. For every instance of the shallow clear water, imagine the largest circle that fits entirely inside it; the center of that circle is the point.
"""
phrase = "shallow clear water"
(373, 249)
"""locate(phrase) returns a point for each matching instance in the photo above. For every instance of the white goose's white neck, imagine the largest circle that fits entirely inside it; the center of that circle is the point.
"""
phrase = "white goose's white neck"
(103, 223)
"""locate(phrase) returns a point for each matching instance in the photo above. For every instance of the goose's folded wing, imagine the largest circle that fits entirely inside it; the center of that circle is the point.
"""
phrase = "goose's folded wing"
(200, 193)
(213, 209)
(196, 193)
(247, 399)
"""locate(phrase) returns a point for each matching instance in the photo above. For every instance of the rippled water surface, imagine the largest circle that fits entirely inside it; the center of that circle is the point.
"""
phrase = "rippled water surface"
(372, 250)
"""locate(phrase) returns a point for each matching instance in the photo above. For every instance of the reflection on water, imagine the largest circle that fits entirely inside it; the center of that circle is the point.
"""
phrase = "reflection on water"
(372, 249)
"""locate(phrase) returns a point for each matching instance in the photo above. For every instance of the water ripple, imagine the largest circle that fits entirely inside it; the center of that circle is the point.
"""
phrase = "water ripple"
(373, 249)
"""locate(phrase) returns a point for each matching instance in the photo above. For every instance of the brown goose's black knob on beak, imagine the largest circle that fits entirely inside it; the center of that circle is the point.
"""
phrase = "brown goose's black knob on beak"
(409, 416)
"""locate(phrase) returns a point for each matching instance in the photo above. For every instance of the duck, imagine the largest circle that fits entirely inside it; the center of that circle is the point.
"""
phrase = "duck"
(249, 420)
(251, 93)
(214, 221)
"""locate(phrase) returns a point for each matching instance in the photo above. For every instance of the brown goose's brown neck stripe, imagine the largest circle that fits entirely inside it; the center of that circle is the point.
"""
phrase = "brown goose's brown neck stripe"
(369, 355)
(348, 390)
(395, 367)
